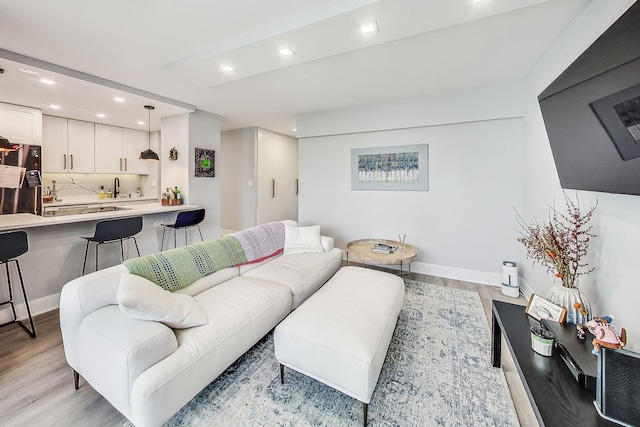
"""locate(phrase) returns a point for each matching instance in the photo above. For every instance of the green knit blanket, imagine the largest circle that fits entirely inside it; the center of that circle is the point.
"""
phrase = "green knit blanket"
(178, 268)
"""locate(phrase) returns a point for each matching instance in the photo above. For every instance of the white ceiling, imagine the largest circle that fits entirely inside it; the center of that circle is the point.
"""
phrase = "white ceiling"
(170, 52)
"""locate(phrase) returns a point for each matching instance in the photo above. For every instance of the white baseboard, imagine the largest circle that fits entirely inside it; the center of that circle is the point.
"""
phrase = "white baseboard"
(37, 306)
(525, 289)
(475, 276)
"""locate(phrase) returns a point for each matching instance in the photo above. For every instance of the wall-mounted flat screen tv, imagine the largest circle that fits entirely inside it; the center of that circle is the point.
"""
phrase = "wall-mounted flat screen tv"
(592, 112)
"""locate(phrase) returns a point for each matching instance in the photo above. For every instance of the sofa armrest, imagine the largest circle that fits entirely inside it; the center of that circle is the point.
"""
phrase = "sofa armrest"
(327, 243)
(82, 296)
(112, 350)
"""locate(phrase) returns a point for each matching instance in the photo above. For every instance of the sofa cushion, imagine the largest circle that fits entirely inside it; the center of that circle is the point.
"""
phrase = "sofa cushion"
(299, 240)
(302, 273)
(241, 311)
(213, 279)
(141, 299)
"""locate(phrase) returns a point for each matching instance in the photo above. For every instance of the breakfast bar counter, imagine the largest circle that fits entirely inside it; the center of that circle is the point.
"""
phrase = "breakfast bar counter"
(24, 220)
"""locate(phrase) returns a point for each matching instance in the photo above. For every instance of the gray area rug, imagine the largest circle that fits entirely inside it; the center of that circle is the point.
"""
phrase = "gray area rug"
(437, 373)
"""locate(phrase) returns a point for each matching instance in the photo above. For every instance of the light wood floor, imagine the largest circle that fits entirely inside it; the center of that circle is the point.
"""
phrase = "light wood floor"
(36, 384)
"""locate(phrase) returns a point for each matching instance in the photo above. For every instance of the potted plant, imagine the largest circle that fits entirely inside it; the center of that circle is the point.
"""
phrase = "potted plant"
(560, 245)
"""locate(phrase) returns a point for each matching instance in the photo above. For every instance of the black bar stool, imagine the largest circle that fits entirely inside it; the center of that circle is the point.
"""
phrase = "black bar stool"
(113, 230)
(12, 245)
(184, 220)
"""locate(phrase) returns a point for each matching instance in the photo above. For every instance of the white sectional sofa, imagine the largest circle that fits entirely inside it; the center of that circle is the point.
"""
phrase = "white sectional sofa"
(148, 370)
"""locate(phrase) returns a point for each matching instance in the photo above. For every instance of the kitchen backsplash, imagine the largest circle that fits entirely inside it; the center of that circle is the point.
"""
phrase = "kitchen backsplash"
(88, 185)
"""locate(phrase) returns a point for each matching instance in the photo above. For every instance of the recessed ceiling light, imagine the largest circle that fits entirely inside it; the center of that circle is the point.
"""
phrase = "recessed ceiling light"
(227, 68)
(101, 115)
(140, 122)
(286, 51)
(118, 99)
(295, 130)
(28, 71)
(54, 106)
(477, 1)
(369, 27)
(46, 81)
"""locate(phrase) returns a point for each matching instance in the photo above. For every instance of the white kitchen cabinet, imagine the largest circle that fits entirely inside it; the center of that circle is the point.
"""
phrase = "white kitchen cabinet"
(67, 145)
(109, 149)
(134, 142)
(54, 144)
(80, 146)
(118, 150)
(21, 125)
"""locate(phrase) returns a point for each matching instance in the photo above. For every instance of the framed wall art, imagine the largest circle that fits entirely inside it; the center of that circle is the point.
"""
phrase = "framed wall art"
(398, 168)
(205, 163)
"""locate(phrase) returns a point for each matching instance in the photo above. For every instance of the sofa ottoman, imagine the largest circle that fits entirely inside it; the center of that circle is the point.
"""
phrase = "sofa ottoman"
(340, 336)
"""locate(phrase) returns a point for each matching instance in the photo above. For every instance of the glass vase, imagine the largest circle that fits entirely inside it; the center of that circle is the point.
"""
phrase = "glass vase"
(567, 297)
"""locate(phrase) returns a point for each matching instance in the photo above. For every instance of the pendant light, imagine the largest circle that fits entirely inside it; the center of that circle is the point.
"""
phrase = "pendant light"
(7, 146)
(149, 154)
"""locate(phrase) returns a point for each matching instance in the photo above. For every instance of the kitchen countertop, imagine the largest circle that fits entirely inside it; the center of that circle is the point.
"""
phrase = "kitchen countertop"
(83, 200)
(25, 220)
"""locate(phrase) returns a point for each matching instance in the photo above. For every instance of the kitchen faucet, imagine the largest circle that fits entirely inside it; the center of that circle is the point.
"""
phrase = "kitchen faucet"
(116, 187)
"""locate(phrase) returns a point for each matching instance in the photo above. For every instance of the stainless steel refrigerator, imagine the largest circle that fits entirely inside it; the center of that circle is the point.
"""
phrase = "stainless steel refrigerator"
(27, 198)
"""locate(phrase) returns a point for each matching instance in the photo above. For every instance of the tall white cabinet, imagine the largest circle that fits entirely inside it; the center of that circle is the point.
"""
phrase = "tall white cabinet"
(277, 170)
(67, 145)
(258, 172)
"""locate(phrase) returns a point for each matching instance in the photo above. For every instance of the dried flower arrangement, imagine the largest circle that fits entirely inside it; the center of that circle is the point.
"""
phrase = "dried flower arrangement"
(560, 244)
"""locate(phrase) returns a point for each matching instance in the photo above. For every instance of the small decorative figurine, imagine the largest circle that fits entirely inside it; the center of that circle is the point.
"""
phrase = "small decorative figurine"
(173, 154)
(605, 335)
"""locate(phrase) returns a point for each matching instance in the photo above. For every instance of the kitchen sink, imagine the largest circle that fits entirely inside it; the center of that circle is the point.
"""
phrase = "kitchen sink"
(79, 210)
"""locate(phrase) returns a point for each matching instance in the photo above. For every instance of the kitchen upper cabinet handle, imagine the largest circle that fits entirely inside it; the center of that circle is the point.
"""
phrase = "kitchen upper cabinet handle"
(120, 164)
(64, 156)
(273, 188)
(125, 164)
(297, 186)
(71, 156)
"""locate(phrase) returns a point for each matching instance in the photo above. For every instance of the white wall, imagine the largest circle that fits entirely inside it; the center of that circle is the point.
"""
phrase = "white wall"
(186, 132)
(204, 132)
(613, 287)
(462, 227)
(175, 173)
(237, 167)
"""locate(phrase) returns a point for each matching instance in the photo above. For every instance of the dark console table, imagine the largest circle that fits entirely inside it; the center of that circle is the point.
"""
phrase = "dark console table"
(555, 396)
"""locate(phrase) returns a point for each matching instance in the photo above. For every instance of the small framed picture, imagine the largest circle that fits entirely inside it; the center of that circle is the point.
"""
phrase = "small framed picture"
(540, 308)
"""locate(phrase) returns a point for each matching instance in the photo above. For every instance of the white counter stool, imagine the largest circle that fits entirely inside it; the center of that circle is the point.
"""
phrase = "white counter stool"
(12, 245)
(184, 220)
(111, 231)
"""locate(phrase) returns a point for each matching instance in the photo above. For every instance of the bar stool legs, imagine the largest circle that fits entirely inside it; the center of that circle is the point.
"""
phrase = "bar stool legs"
(32, 331)
(112, 231)
(86, 251)
(184, 220)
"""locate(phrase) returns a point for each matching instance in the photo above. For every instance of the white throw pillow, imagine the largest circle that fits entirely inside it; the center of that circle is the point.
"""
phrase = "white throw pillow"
(299, 240)
(142, 299)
